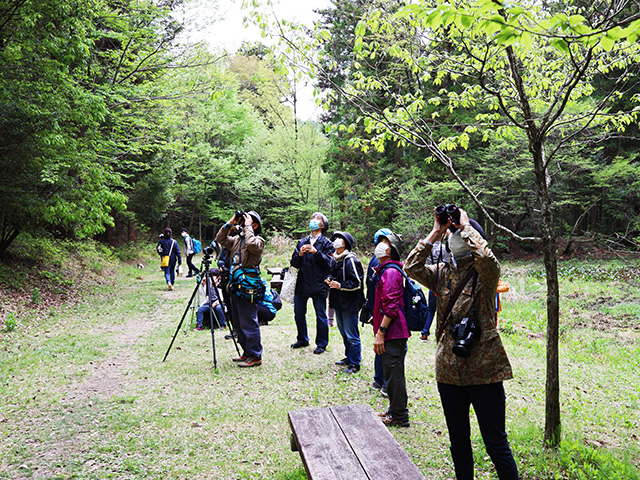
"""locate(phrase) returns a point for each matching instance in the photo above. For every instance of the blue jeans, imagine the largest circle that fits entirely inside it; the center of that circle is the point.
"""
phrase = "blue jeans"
(170, 271)
(204, 310)
(489, 406)
(431, 312)
(322, 324)
(348, 326)
(378, 375)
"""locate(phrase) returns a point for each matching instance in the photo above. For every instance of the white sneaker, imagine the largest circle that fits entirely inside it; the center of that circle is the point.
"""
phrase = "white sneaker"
(170, 287)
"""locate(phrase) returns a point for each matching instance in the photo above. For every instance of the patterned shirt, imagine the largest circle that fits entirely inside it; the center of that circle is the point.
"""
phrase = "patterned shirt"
(488, 362)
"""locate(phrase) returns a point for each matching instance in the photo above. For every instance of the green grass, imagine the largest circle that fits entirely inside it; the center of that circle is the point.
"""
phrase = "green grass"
(84, 393)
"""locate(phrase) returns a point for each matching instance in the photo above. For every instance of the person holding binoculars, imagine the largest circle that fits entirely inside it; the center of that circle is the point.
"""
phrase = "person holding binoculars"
(471, 363)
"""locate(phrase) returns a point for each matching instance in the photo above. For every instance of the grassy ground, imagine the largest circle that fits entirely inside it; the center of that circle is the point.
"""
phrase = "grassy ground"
(84, 392)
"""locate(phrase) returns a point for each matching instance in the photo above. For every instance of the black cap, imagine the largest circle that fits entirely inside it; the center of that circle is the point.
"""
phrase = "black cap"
(348, 239)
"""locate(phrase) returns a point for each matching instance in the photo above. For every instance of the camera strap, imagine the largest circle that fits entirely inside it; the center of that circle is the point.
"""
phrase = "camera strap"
(454, 298)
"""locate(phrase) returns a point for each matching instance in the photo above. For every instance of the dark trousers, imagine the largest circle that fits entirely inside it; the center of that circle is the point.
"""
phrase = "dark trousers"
(245, 321)
(393, 368)
(322, 324)
(489, 405)
(192, 267)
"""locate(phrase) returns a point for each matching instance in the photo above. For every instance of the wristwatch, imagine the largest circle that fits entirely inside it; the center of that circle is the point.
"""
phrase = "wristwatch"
(383, 329)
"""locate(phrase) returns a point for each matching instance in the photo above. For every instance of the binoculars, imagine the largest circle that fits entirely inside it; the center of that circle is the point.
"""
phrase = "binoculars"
(448, 211)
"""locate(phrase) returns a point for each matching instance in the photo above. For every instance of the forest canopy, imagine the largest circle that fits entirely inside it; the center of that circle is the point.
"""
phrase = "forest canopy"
(113, 124)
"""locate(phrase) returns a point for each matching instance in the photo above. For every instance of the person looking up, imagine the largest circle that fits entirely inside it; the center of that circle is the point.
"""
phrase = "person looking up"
(312, 256)
(390, 327)
(471, 362)
(245, 250)
(346, 297)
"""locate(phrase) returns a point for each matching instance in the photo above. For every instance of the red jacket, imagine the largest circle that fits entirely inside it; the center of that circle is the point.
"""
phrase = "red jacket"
(389, 301)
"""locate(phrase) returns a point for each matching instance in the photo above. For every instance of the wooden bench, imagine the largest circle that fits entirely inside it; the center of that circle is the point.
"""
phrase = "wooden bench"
(276, 280)
(348, 442)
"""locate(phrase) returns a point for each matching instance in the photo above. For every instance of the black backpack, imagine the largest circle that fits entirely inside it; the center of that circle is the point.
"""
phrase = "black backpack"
(415, 303)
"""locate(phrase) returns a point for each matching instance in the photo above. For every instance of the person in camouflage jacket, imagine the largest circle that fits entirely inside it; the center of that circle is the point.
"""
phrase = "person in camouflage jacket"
(476, 380)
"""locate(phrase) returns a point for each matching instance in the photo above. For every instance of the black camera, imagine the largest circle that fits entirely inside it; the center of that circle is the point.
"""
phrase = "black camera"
(208, 251)
(464, 333)
(448, 211)
(239, 216)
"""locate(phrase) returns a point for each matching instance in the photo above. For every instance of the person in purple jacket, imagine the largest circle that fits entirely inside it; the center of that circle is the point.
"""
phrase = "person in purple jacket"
(390, 327)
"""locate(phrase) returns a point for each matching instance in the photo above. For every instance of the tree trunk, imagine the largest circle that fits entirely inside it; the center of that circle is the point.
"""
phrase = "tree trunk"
(552, 428)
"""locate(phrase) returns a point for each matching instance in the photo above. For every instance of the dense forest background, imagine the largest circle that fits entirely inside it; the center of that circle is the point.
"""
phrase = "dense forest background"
(112, 126)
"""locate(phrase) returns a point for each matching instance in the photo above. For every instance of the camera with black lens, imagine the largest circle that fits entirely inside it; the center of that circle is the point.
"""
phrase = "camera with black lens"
(239, 216)
(464, 333)
(208, 251)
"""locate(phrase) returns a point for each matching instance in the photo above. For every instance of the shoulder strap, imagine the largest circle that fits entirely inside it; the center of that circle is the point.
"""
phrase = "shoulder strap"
(453, 300)
(171, 249)
(396, 267)
(238, 255)
(351, 256)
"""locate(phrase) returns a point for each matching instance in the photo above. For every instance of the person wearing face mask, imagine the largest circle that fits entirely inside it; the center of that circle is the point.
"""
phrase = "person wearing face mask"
(390, 327)
(312, 257)
(466, 292)
(378, 376)
(346, 296)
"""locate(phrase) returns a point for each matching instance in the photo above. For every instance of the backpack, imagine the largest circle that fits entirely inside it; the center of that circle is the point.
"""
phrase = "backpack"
(277, 301)
(197, 246)
(415, 303)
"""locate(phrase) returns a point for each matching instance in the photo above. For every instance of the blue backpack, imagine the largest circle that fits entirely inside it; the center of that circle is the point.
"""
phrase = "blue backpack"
(415, 303)
(197, 246)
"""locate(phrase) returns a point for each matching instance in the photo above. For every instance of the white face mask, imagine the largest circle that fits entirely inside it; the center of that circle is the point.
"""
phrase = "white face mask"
(381, 250)
(184, 234)
(457, 245)
(338, 243)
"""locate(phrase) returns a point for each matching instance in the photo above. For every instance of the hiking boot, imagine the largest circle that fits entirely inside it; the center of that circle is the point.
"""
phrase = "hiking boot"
(351, 369)
(383, 414)
(299, 344)
(251, 362)
(424, 338)
(389, 421)
(170, 287)
(240, 359)
(344, 361)
(319, 350)
(376, 386)
(199, 327)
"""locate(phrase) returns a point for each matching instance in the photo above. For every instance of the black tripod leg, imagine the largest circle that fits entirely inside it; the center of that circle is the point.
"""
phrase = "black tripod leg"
(195, 291)
(213, 316)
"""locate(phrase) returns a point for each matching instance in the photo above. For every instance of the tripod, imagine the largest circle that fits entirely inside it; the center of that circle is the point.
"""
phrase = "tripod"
(206, 265)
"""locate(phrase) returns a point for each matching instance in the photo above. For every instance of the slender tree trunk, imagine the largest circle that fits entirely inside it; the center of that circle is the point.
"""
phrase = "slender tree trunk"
(552, 428)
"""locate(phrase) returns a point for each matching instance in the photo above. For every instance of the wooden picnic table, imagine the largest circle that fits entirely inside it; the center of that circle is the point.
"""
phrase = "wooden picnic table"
(276, 280)
(348, 442)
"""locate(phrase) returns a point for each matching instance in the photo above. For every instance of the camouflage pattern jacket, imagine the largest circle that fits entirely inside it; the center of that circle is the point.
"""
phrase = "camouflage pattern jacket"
(488, 362)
